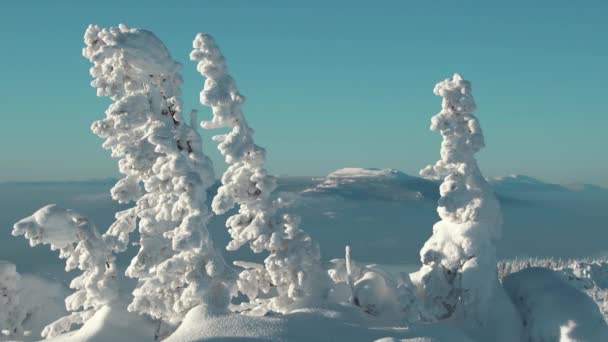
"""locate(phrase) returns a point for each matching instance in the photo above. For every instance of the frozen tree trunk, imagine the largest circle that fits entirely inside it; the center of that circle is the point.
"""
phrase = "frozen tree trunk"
(292, 267)
(81, 245)
(458, 278)
(165, 172)
(11, 315)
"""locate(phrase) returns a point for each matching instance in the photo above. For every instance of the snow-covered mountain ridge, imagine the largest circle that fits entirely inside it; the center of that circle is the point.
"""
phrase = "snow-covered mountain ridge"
(391, 184)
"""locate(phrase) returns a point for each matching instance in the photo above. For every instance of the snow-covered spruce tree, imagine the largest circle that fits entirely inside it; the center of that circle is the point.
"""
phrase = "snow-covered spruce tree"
(292, 267)
(458, 279)
(11, 314)
(81, 245)
(177, 266)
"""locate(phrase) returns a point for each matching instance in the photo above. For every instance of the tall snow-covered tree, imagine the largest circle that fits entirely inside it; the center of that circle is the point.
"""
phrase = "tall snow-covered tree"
(292, 268)
(458, 278)
(165, 172)
(79, 242)
(11, 314)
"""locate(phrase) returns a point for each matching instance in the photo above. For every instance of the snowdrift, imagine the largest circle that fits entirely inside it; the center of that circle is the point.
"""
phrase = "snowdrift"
(552, 309)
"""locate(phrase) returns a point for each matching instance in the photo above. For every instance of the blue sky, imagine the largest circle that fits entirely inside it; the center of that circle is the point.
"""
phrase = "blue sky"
(329, 84)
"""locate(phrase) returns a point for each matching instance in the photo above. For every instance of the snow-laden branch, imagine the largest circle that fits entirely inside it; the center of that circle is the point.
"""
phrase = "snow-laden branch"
(293, 264)
(79, 242)
(458, 277)
(177, 265)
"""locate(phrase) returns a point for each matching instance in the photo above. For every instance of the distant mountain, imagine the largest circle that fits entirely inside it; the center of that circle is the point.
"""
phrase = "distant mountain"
(514, 183)
(384, 215)
(393, 185)
(372, 183)
(379, 184)
(524, 187)
(585, 187)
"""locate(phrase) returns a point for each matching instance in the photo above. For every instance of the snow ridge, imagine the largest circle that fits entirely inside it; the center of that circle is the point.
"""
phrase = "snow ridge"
(382, 184)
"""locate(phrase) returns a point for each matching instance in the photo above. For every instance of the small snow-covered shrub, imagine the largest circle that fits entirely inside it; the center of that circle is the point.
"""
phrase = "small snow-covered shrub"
(80, 244)
(391, 297)
(293, 264)
(11, 313)
(165, 173)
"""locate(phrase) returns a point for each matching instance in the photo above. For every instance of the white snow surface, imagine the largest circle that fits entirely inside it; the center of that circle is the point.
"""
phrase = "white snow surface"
(369, 183)
(42, 301)
(357, 172)
(112, 323)
(11, 311)
(335, 323)
(552, 309)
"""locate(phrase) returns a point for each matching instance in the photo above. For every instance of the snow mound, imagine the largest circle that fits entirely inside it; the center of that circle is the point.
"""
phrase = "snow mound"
(111, 323)
(11, 314)
(369, 183)
(552, 309)
(27, 304)
(343, 323)
(42, 300)
(587, 275)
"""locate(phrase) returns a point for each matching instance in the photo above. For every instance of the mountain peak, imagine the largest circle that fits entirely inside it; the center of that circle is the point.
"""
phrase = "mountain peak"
(360, 172)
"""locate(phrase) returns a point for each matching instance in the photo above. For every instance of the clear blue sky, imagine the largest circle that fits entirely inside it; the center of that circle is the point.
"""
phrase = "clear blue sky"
(329, 84)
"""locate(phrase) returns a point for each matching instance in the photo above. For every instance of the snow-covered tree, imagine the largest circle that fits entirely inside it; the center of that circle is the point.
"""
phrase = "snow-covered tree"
(177, 266)
(79, 242)
(458, 278)
(292, 267)
(11, 314)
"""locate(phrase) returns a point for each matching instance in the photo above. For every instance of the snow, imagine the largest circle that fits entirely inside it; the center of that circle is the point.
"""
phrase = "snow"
(11, 311)
(513, 183)
(333, 323)
(186, 291)
(366, 183)
(552, 309)
(587, 275)
(112, 323)
(293, 264)
(82, 247)
(165, 173)
(458, 279)
(356, 172)
(42, 301)
(51, 225)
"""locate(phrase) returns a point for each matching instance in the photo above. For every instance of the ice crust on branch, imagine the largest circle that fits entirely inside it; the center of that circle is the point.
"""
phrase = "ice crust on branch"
(79, 242)
(292, 267)
(458, 278)
(165, 173)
